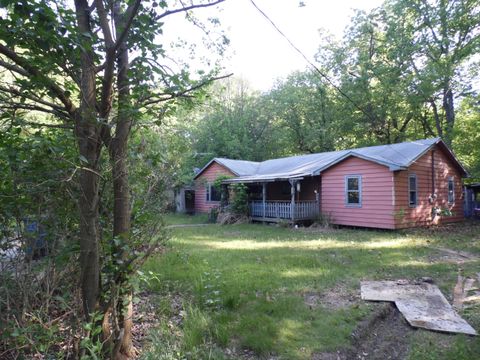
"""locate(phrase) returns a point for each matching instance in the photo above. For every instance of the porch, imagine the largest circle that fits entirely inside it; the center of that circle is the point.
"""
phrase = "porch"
(273, 211)
(292, 199)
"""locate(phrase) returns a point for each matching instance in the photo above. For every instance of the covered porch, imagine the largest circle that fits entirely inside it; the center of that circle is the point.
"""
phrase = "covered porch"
(284, 199)
(284, 210)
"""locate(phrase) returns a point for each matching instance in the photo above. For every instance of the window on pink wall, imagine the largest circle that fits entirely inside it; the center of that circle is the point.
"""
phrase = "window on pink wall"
(213, 195)
(412, 190)
(353, 191)
(451, 190)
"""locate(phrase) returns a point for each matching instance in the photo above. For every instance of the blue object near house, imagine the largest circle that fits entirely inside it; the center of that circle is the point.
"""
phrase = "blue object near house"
(36, 245)
(471, 205)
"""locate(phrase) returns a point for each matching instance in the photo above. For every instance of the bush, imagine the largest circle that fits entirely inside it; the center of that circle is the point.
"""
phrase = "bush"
(213, 215)
(239, 203)
(323, 220)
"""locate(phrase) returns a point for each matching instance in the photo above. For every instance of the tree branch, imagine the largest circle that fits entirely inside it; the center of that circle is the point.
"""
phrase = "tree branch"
(53, 126)
(170, 96)
(11, 90)
(130, 14)
(33, 71)
(13, 68)
(187, 8)
(109, 64)
(30, 107)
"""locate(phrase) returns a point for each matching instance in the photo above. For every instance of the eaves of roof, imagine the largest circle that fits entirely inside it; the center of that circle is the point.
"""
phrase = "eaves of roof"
(217, 160)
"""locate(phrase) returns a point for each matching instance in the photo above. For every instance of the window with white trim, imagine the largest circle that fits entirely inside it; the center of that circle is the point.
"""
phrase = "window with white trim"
(412, 190)
(212, 193)
(353, 190)
(451, 190)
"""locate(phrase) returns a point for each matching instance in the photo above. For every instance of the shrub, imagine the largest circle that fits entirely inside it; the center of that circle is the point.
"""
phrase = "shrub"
(239, 203)
(323, 220)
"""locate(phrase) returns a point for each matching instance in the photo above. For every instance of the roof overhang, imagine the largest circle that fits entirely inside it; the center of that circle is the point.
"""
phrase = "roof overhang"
(391, 166)
(263, 179)
(449, 154)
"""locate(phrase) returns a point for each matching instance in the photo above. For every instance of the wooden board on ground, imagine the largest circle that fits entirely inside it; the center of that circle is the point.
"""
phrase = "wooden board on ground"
(423, 304)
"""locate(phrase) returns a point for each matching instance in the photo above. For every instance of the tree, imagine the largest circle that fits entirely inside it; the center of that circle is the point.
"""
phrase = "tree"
(445, 37)
(404, 64)
(233, 123)
(302, 105)
(467, 136)
(96, 67)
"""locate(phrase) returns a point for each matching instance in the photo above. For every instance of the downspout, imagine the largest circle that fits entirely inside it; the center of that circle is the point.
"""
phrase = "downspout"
(292, 204)
(433, 174)
(264, 197)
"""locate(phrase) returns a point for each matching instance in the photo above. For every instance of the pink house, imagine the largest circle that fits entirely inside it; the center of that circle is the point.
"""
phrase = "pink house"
(394, 186)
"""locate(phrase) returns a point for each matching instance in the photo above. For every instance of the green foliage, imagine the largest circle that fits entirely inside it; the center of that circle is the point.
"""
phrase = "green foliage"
(239, 203)
(222, 189)
(164, 344)
(213, 214)
(38, 168)
(467, 136)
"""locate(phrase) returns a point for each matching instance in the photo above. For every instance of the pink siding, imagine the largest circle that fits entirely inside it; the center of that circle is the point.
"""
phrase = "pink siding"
(210, 174)
(421, 215)
(377, 194)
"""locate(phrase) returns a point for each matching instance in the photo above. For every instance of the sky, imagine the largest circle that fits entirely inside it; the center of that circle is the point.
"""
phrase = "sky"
(257, 52)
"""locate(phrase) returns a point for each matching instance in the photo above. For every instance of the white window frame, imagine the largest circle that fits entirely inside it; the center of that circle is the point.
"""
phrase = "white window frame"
(451, 180)
(208, 193)
(347, 191)
(413, 176)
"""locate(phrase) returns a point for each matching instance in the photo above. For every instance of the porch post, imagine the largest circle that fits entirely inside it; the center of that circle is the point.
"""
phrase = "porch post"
(292, 204)
(264, 197)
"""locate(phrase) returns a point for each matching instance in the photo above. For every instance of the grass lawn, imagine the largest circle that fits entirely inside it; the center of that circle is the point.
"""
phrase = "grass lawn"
(184, 219)
(267, 292)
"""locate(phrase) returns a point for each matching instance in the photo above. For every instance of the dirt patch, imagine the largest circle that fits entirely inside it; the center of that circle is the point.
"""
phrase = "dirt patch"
(146, 318)
(383, 335)
(467, 228)
(336, 298)
(445, 255)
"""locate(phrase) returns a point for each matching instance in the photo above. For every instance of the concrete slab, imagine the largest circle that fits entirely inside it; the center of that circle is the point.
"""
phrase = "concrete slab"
(423, 305)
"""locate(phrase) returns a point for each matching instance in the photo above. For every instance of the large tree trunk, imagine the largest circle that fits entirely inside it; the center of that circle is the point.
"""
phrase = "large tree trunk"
(449, 110)
(89, 148)
(121, 205)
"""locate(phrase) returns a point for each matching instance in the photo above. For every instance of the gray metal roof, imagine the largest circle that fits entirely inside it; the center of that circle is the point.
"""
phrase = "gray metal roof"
(238, 167)
(394, 156)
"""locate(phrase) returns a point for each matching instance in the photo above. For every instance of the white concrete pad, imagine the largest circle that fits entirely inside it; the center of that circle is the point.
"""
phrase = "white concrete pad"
(423, 304)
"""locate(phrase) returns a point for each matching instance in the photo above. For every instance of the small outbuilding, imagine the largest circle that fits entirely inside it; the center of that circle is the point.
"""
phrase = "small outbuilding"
(417, 183)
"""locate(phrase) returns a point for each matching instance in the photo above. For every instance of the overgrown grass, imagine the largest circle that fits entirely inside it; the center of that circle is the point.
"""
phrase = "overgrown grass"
(184, 219)
(245, 285)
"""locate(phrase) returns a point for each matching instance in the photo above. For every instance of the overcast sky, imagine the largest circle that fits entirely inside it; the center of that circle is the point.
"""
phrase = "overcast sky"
(257, 52)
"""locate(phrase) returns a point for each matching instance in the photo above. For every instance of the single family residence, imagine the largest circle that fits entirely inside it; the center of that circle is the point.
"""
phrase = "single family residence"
(417, 183)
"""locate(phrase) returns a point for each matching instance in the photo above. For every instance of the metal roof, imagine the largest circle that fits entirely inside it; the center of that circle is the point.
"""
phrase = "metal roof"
(394, 156)
(238, 167)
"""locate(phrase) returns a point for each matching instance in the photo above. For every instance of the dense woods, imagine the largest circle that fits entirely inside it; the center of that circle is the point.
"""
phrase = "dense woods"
(97, 122)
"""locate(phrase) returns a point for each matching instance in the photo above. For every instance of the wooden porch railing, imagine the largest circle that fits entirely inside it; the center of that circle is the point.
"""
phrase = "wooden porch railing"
(303, 210)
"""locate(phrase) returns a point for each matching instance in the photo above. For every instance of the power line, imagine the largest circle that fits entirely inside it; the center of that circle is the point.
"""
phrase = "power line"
(322, 74)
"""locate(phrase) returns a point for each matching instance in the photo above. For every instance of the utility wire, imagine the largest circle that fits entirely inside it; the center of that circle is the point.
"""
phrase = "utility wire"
(322, 74)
